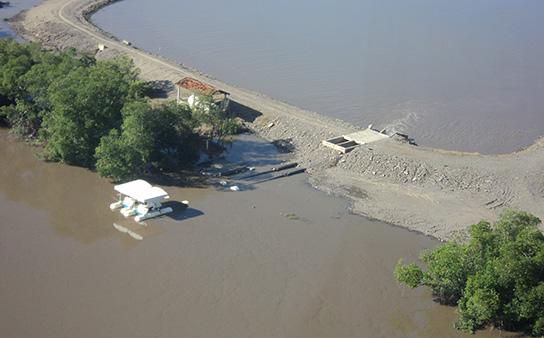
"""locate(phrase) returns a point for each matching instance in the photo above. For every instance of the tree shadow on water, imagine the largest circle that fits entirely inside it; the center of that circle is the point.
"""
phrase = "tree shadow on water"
(4, 34)
(182, 178)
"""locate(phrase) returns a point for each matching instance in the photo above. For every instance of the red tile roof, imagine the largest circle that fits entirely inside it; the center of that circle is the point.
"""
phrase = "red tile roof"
(192, 84)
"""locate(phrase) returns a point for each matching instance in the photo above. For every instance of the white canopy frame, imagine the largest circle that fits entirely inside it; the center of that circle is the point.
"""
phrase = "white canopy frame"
(142, 200)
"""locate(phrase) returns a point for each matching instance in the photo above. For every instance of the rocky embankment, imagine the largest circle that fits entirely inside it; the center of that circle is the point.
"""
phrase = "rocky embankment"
(427, 190)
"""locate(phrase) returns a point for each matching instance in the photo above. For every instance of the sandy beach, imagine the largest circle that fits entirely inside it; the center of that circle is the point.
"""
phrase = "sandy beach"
(427, 190)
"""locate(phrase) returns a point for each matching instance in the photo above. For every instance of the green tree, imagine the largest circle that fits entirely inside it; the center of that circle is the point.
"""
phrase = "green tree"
(91, 113)
(174, 130)
(85, 105)
(123, 155)
(24, 117)
(158, 138)
(212, 119)
(495, 274)
(113, 158)
(15, 60)
(26, 72)
(47, 68)
(206, 113)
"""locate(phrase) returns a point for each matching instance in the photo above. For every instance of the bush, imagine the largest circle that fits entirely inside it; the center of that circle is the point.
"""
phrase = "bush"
(231, 126)
(92, 113)
(495, 274)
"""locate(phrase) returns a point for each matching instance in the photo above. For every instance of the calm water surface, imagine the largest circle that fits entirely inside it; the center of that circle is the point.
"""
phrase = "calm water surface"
(231, 265)
(461, 75)
(10, 10)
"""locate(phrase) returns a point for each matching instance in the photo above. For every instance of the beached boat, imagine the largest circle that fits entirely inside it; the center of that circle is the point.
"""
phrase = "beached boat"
(140, 199)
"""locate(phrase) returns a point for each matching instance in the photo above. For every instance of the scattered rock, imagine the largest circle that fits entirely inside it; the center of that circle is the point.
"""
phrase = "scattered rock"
(393, 181)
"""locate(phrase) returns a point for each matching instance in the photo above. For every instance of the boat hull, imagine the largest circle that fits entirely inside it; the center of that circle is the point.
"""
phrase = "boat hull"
(152, 214)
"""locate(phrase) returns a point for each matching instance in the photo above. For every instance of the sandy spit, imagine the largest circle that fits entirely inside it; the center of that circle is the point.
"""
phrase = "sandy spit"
(426, 190)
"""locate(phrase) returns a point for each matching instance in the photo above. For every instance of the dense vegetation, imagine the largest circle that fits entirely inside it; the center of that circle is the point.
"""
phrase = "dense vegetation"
(95, 114)
(495, 274)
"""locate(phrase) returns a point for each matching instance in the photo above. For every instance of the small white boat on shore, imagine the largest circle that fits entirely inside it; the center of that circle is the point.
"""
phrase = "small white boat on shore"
(140, 199)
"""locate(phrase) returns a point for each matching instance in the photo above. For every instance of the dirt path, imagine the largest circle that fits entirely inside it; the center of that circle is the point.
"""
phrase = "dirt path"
(426, 190)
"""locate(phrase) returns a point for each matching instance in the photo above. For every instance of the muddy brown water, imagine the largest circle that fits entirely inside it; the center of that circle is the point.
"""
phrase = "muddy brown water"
(276, 259)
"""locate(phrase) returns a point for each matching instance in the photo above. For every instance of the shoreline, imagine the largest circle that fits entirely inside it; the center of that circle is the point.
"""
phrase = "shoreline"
(427, 190)
(255, 263)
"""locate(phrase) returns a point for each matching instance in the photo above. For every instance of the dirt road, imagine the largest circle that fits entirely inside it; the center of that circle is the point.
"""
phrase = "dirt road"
(426, 190)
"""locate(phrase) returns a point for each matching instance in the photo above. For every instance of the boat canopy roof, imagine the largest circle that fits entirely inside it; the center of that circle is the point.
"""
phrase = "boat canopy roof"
(141, 191)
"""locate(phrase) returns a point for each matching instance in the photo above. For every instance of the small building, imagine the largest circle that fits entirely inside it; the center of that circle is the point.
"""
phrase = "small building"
(219, 96)
(347, 143)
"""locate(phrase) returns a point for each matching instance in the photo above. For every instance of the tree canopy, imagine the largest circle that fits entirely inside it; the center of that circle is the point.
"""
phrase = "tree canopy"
(149, 137)
(494, 273)
(96, 113)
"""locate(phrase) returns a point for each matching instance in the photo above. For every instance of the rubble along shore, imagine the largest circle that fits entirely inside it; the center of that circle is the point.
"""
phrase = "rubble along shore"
(426, 190)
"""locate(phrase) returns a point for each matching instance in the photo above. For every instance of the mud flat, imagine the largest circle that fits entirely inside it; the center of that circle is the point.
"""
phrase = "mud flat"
(427, 190)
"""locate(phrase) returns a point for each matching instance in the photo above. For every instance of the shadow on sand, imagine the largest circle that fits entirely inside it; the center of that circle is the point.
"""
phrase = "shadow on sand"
(244, 112)
(161, 88)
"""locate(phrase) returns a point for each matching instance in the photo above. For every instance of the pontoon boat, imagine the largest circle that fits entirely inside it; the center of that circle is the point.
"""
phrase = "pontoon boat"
(141, 199)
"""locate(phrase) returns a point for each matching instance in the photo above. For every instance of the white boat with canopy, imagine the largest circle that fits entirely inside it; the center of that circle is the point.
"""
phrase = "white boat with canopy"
(141, 199)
